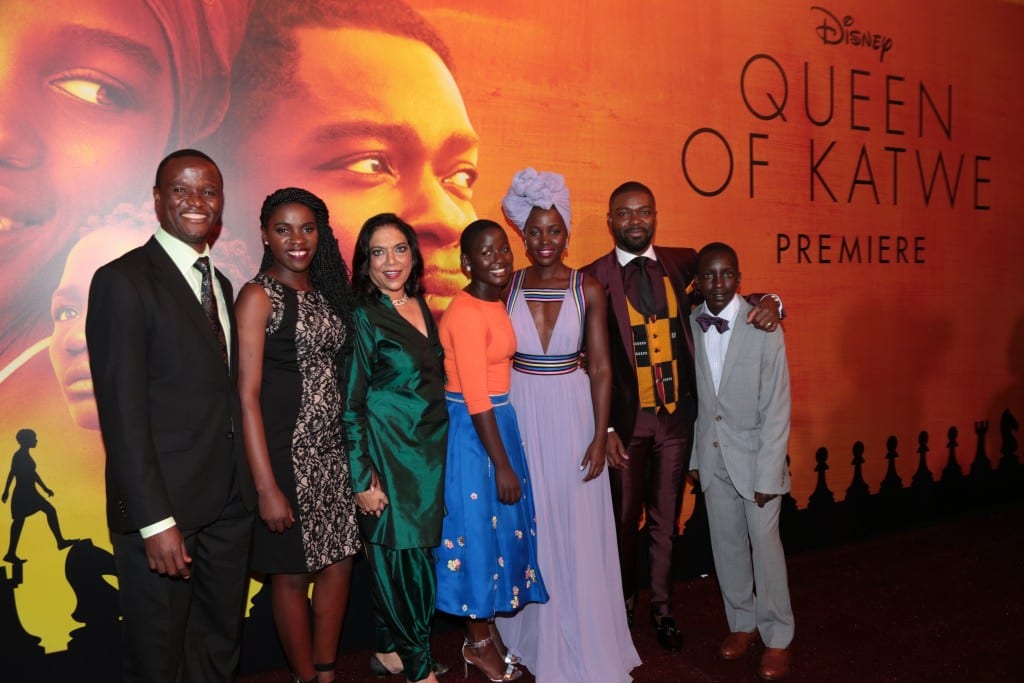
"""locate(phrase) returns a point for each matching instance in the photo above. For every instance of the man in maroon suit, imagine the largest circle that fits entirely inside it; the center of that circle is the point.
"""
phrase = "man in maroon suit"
(654, 397)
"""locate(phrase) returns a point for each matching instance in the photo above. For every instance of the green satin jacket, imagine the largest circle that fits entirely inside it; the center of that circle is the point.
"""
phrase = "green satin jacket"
(396, 421)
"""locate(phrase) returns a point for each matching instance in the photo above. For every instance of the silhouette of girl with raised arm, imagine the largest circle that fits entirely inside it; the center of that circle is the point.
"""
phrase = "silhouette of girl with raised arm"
(26, 500)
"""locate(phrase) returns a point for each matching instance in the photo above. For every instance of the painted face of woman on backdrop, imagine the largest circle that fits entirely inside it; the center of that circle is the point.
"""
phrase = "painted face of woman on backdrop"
(87, 91)
(391, 260)
(545, 236)
(292, 237)
(68, 307)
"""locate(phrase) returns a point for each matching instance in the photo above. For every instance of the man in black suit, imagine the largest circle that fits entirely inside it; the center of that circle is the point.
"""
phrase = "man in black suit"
(654, 395)
(161, 336)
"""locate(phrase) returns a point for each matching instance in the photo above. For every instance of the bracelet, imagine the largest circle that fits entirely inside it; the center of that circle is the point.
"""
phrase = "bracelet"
(611, 429)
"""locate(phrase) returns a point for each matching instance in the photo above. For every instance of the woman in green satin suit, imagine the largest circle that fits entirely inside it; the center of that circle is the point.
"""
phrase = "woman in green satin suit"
(397, 425)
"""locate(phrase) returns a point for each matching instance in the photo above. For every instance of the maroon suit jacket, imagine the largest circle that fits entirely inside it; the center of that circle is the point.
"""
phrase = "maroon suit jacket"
(679, 265)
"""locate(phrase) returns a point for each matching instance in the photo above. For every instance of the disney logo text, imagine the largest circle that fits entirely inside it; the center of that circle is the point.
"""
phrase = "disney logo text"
(834, 31)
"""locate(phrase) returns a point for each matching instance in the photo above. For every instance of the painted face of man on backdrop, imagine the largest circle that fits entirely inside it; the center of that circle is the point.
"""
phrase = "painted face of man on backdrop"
(378, 126)
(87, 89)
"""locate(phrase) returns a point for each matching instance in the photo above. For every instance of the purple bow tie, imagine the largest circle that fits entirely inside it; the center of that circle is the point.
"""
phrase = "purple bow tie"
(705, 321)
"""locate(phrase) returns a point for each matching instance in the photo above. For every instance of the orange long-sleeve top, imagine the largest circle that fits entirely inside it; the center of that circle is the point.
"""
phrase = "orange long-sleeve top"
(478, 342)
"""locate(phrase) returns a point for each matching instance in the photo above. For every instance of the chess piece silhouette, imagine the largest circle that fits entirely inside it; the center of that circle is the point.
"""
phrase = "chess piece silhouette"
(891, 502)
(95, 646)
(1010, 472)
(858, 490)
(922, 486)
(892, 483)
(981, 467)
(951, 473)
(859, 512)
(822, 496)
(983, 488)
(923, 476)
(23, 655)
(821, 515)
(26, 500)
(953, 484)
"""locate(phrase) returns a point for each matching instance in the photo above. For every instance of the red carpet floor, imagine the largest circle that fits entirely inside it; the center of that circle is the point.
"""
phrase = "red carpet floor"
(934, 604)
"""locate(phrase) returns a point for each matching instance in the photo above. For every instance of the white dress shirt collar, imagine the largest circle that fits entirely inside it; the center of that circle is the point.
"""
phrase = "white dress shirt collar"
(183, 255)
(624, 257)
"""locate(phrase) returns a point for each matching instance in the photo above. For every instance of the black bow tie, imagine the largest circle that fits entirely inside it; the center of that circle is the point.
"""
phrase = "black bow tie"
(706, 321)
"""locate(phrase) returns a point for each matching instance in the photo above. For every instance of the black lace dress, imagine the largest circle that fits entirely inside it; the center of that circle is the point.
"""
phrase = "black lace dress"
(301, 405)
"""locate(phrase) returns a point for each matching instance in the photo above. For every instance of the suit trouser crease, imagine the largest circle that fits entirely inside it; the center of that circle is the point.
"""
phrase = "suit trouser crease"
(658, 452)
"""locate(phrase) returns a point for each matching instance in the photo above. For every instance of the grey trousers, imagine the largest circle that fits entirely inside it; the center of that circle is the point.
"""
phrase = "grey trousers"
(750, 561)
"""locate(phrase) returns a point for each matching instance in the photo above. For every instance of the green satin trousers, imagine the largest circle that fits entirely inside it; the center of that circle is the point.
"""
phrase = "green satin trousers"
(404, 589)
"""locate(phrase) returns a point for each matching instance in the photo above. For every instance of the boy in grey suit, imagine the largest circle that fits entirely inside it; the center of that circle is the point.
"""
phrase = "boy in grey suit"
(739, 457)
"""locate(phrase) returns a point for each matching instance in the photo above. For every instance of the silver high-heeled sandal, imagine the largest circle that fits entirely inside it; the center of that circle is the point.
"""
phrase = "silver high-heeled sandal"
(511, 672)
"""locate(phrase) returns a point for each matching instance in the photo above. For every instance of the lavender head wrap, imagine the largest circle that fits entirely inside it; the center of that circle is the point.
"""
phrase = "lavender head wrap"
(203, 37)
(532, 189)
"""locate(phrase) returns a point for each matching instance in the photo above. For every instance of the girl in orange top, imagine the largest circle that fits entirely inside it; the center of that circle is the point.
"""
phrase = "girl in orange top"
(487, 562)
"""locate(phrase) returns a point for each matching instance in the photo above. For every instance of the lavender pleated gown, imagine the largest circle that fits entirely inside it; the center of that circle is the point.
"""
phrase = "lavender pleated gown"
(580, 634)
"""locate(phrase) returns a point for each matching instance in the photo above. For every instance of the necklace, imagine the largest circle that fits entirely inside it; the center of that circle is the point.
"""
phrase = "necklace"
(400, 302)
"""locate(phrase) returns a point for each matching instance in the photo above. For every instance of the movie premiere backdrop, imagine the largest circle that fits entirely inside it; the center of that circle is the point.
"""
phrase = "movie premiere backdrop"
(863, 156)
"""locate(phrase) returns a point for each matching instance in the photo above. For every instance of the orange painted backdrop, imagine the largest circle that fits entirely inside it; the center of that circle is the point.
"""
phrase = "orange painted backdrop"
(863, 157)
(876, 348)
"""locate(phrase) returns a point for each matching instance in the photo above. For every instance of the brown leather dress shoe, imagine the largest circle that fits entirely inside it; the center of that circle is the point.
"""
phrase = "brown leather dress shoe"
(737, 644)
(774, 664)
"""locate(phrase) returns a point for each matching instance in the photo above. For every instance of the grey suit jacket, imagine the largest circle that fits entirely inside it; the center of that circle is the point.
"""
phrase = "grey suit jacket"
(747, 422)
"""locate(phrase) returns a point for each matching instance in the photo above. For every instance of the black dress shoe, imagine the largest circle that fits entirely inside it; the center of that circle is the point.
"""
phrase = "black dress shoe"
(669, 637)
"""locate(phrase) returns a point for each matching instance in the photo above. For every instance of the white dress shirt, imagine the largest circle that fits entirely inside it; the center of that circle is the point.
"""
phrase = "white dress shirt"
(716, 344)
(184, 258)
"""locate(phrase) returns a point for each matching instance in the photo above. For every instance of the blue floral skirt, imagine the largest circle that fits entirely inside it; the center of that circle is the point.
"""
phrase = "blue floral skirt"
(487, 561)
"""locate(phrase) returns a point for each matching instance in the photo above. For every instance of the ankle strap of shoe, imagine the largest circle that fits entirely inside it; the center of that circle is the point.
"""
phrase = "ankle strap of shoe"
(478, 644)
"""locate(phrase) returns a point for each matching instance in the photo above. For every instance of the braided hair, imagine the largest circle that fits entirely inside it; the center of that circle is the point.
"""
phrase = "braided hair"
(328, 271)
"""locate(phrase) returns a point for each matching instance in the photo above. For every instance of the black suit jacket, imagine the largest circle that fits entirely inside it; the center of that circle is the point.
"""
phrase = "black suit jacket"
(679, 265)
(168, 408)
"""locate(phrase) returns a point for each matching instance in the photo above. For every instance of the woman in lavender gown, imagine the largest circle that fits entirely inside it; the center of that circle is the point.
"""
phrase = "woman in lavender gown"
(581, 634)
